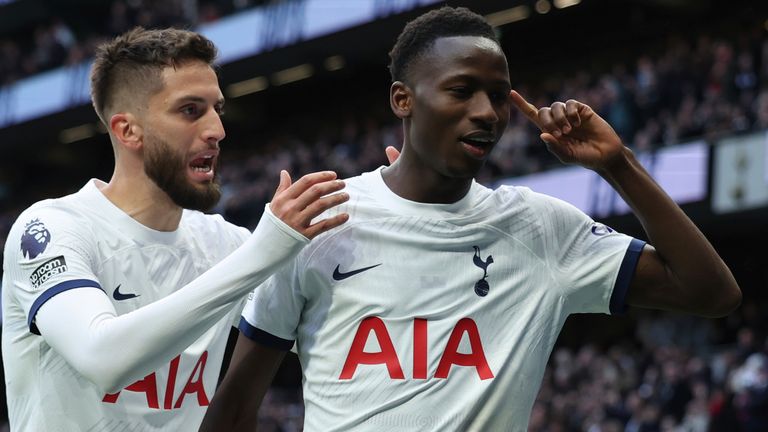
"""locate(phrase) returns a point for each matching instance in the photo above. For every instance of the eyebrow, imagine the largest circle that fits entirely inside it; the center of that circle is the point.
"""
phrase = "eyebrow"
(198, 99)
(474, 79)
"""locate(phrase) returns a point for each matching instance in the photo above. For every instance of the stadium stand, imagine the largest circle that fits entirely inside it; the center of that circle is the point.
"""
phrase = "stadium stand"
(662, 72)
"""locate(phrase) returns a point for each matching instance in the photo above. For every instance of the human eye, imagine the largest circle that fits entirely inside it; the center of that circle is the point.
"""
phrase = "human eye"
(190, 110)
(219, 108)
(460, 91)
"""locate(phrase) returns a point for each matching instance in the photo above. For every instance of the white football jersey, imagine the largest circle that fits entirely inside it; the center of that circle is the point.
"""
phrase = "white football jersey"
(83, 240)
(435, 317)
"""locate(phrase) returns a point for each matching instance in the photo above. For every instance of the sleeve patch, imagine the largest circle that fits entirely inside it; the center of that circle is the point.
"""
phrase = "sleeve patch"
(35, 238)
(47, 270)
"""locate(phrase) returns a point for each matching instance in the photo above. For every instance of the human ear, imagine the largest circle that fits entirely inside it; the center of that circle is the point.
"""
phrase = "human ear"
(126, 130)
(400, 97)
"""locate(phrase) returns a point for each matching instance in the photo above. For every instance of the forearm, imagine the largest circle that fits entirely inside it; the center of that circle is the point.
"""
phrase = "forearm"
(699, 272)
(235, 406)
(152, 335)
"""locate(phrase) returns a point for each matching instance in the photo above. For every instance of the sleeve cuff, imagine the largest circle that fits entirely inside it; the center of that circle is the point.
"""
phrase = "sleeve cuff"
(284, 227)
(618, 304)
(53, 291)
(262, 337)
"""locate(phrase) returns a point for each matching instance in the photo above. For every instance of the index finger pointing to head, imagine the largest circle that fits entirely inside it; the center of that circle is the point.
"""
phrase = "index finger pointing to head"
(525, 107)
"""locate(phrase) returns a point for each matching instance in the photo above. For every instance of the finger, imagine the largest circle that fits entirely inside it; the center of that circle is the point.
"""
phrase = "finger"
(392, 154)
(547, 122)
(548, 138)
(572, 112)
(285, 181)
(558, 147)
(324, 225)
(560, 119)
(282, 186)
(525, 107)
(585, 111)
(317, 207)
(316, 192)
(307, 181)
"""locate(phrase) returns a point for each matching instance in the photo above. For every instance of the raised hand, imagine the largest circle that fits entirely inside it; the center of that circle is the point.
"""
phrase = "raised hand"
(297, 204)
(573, 132)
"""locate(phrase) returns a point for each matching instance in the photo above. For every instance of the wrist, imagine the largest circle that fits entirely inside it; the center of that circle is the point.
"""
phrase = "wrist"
(272, 231)
(622, 163)
(282, 226)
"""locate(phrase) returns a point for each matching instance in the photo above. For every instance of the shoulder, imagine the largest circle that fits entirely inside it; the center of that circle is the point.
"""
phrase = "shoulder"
(360, 183)
(540, 202)
(365, 194)
(520, 209)
(213, 225)
(519, 193)
(50, 216)
(506, 199)
(43, 235)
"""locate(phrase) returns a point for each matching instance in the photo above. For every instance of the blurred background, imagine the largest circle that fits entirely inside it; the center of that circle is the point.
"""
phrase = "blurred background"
(684, 82)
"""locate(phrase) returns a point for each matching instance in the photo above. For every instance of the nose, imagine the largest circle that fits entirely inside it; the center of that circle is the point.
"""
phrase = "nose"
(213, 131)
(483, 109)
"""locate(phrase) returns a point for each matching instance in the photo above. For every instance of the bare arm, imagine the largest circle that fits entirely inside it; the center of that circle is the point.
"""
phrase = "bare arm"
(235, 406)
(682, 271)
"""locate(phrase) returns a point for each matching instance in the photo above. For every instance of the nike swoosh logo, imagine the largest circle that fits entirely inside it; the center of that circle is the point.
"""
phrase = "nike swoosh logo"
(117, 295)
(337, 275)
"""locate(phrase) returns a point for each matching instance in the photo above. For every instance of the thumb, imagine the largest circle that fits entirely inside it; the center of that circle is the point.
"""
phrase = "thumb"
(549, 138)
(285, 181)
(392, 154)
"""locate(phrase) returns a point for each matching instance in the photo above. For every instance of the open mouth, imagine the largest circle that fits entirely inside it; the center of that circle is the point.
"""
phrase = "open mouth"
(202, 167)
(478, 146)
(202, 164)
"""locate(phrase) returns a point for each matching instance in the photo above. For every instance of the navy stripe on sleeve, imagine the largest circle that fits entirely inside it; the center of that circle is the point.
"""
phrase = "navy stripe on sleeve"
(626, 273)
(55, 290)
(263, 337)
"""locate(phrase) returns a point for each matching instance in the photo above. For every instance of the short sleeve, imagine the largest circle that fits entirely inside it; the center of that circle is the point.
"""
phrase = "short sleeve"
(48, 251)
(272, 312)
(593, 263)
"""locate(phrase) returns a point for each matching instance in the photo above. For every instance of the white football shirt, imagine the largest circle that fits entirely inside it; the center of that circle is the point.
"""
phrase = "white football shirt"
(435, 317)
(84, 241)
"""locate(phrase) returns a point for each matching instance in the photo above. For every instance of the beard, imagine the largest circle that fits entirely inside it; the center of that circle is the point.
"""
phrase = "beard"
(169, 172)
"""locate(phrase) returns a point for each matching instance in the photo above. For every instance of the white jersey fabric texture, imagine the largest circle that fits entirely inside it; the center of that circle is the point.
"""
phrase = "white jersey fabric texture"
(433, 317)
(79, 248)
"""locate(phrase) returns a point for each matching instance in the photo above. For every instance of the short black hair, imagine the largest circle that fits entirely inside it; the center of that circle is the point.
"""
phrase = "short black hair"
(419, 35)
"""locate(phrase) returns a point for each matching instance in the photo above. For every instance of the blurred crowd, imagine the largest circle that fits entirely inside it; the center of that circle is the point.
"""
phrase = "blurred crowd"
(678, 374)
(675, 374)
(55, 43)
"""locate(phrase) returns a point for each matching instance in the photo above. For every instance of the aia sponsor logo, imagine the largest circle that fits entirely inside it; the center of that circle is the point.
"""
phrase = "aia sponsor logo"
(154, 390)
(35, 239)
(389, 358)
